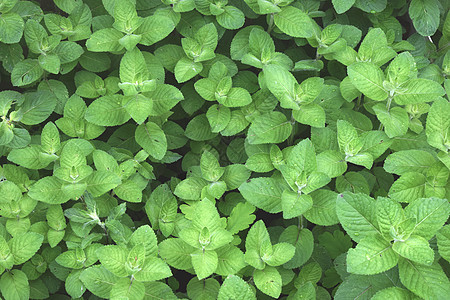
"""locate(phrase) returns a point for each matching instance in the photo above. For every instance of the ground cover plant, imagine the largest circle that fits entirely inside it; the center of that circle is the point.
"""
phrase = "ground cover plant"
(224, 149)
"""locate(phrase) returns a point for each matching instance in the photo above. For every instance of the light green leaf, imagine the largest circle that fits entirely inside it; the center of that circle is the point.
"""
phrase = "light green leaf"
(323, 210)
(430, 214)
(341, 6)
(218, 117)
(268, 281)
(271, 127)
(416, 249)
(294, 22)
(11, 28)
(332, 163)
(295, 204)
(428, 282)
(231, 18)
(438, 124)
(124, 288)
(393, 293)
(176, 253)
(49, 190)
(405, 161)
(357, 214)
(107, 111)
(14, 285)
(152, 139)
(155, 28)
(98, 280)
(368, 79)
(418, 90)
(409, 187)
(25, 72)
(154, 269)
(204, 262)
(372, 255)
(425, 16)
(50, 63)
(105, 40)
(24, 246)
(443, 242)
(190, 188)
(113, 258)
(310, 114)
(101, 182)
(186, 69)
(198, 129)
(235, 288)
(264, 193)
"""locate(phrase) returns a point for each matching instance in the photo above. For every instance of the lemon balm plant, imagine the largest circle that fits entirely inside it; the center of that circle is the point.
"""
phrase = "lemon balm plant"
(224, 149)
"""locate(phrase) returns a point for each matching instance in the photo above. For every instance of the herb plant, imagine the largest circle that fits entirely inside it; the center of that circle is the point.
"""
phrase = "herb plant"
(225, 149)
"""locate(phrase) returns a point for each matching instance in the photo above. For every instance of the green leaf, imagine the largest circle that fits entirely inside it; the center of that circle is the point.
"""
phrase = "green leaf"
(231, 18)
(418, 90)
(430, 214)
(210, 167)
(281, 254)
(186, 69)
(105, 40)
(11, 28)
(154, 269)
(294, 22)
(113, 258)
(269, 128)
(405, 161)
(425, 16)
(368, 79)
(428, 282)
(176, 253)
(204, 262)
(323, 210)
(190, 188)
(416, 249)
(124, 288)
(218, 117)
(443, 242)
(198, 129)
(107, 111)
(310, 114)
(372, 255)
(231, 260)
(50, 63)
(389, 215)
(341, 6)
(240, 218)
(393, 293)
(24, 246)
(295, 204)
(234, 287)
(257, 237)
(14, 285)
(303, 241)
(438, 124)
(154, 28)
(49, 190)
(236, 97)
(26, 72)
(268, 281)
(264, 193)
(357, 214)
(37, 107)
(331, 163)
(152, 139)
(98, 280)
(409, 187)
(101, 182)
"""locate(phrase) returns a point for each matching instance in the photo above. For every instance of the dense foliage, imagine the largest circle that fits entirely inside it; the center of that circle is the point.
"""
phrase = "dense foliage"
(229, 149)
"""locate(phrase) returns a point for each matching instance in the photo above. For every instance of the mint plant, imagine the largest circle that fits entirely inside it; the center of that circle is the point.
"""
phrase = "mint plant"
(224, 149)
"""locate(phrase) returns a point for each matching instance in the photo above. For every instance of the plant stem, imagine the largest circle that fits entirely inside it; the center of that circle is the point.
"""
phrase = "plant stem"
(270, 27)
